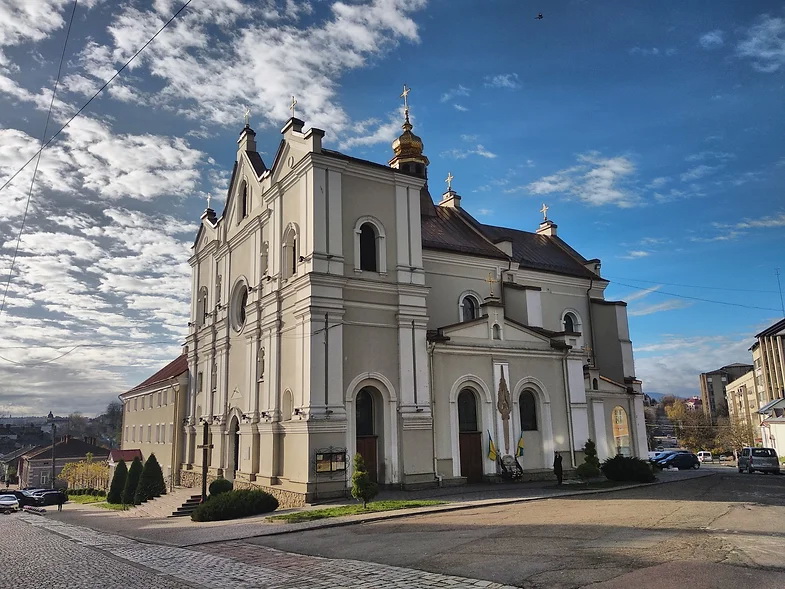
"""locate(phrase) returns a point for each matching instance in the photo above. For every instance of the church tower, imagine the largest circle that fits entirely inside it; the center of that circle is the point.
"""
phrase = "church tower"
(408, 147)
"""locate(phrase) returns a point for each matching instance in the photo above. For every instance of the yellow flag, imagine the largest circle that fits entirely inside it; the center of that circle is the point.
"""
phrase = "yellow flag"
(493, 454)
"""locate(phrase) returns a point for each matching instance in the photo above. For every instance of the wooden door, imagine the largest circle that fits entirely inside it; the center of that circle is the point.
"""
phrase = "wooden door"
(366, 447)
(471, 456)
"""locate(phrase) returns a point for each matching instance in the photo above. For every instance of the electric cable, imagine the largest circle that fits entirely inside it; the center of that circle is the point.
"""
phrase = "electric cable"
(690, 285)
(673, 294)
(38, 160)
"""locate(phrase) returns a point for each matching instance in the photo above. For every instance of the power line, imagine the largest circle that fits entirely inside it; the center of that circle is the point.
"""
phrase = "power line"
(38, 160)
(73, 349)
(94, 96)
(673, 294)
(691, 285)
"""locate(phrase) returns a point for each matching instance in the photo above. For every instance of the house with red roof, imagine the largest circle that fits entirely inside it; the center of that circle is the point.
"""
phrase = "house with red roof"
(35, 465)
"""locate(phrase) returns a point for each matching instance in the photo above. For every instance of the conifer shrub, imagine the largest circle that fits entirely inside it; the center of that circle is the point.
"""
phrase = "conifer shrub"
(151, 482)
(118, 483)
(626, 468)
(363, 488)
(235, 504)
(590, 467)
(219, 486)
(132, 481)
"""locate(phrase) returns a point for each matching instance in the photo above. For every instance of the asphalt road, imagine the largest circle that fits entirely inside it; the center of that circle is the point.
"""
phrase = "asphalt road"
(717, 532)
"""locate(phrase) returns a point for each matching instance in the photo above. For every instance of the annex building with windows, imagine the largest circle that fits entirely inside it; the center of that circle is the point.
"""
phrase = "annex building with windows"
(337, 308)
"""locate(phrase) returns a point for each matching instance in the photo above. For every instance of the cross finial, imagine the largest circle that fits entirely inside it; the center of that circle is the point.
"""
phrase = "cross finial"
(405, 96)
(208, 200)
(292, 105)
(491, 281)
(544, 211)
(247, 116)
(449, 180)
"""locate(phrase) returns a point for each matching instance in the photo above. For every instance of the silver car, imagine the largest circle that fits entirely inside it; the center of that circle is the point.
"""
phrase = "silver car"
(8, 503)
(762, 459)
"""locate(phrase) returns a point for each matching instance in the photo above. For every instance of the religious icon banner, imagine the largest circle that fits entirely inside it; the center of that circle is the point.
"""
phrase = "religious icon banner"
(501, 378)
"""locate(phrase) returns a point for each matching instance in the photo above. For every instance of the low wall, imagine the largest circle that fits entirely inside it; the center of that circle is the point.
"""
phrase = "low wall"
(286, 499)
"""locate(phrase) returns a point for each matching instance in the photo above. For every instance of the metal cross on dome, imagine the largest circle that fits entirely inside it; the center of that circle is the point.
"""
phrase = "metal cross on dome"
(405, 96)
(544, 211)
(292, 105)
(449, 180)
(208, 200)
(247, 115)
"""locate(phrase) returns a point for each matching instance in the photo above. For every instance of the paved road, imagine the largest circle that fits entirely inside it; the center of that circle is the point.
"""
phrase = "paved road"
(726, 530)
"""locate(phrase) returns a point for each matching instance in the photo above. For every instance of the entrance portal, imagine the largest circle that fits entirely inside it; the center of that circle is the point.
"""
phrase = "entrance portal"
(367, 437)
(469, 437)
(234, 432)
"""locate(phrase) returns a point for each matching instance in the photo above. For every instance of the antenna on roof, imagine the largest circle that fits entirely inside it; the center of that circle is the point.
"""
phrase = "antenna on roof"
(779, 286)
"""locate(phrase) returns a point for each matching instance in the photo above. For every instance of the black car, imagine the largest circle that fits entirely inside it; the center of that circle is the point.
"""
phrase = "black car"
(681, 460)
(659, 457)
(25, 499)
(51, 497)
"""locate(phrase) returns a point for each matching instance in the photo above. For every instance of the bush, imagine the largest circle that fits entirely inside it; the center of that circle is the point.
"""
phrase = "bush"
(363, 487)
(625, 468)
(132, 481)
(118, 483)
(151, 482)
(590, 467)
(234, 504)
(219, 486)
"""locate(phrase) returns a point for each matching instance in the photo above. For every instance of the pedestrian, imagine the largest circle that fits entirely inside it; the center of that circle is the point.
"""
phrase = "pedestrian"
(60, 501)
(557, 468)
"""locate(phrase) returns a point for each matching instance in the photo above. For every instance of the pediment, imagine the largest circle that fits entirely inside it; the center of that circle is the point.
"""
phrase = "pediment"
(286, 159)
(482, 329)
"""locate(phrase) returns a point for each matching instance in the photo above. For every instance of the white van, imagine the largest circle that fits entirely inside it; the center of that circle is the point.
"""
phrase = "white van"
(705, 456)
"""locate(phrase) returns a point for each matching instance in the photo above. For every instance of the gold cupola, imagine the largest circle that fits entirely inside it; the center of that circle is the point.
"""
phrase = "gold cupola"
(408, 147)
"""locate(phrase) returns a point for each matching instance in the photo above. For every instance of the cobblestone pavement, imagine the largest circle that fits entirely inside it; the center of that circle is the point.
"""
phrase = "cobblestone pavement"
(234, 564)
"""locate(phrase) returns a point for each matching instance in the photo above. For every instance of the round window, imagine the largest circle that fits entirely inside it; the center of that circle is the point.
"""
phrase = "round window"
(239, 301)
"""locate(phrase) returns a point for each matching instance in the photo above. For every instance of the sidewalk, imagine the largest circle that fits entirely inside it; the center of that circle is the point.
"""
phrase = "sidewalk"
(183, 532)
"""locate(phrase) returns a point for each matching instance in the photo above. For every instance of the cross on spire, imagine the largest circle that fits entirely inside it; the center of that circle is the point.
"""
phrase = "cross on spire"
(247, 116)
(491, 281)
(208, 200)
(449, 180)
(292, 105)
(544, 211)
(405, 96)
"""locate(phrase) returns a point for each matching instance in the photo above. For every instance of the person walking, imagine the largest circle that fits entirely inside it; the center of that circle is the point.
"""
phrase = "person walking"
(60, 501)
(557, 467)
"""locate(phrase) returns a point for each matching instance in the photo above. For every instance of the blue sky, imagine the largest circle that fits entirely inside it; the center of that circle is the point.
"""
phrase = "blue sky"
(653, 131)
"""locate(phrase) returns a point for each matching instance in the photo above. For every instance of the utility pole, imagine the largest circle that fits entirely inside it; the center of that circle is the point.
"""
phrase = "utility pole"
(51, 419)
(205, 446)
(779, 286)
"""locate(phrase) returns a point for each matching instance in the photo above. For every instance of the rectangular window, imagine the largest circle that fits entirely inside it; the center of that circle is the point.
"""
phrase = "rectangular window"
(44, 479)
(149, 433)
(150, 399)
(166, 397)
(126, 433)
(160, 398)
(171, 432)
(199, 381)
(163, 433)
(136, 404)
(157, 433)
(133, 433)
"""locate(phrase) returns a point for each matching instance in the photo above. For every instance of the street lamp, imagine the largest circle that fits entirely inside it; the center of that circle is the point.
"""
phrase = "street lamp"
(53, 421)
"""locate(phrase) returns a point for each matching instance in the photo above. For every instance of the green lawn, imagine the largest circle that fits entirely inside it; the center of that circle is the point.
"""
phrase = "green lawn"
(114, 506)
(342, 510)
(86, 499)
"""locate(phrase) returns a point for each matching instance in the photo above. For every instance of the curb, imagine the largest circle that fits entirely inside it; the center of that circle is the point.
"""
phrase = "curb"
(397, 514)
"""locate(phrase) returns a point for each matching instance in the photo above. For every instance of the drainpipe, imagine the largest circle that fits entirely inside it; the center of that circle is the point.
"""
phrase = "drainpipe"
(569, 412)
(591, 325)
(173, 457)
(431, 347)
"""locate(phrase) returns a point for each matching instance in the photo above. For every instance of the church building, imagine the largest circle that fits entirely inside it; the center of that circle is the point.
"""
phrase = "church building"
(338, 309)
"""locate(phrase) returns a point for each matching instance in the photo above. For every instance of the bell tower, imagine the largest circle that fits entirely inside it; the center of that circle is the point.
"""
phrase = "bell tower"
(408, 147)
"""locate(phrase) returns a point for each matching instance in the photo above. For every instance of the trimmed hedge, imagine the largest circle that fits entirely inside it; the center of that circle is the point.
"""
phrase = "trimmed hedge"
(219, 486)
(115, 494)
(626, 468)
(132, 481)
(151, 481)
(93, 492)
(234, 504)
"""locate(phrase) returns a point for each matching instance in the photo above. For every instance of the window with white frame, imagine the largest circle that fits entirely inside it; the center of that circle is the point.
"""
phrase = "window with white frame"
(289, 252)
(573, 327)
(469, 307)
(237, 305)
(242, 204)
(201, 307)
(149, 433)
(370, 253)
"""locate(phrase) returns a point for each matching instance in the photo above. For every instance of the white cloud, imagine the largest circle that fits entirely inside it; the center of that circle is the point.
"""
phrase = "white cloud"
(698, 172)
(653, 51)
(460, 108)
(658, 182)
(712, 40)
(510, 81)
(596, 180)
(454, 93)
(670, 305)
(639, 294)
(721, 156)
(636, 254)
(765, 44)
(464, 153)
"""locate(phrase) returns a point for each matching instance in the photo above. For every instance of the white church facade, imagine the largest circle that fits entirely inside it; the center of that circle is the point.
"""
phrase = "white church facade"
(336, 308)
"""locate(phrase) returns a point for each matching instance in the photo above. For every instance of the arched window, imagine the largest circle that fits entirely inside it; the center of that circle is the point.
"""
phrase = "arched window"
(370, 254)
(527, 405)
(621, 431)
(497, 331)
(287, 405)
(289, 261)
(467, 411)
(242, 205)
(470, 308)
(364, 413)
(368, 248)
(595, 384)
(201, 306)
(569, 323)
(238, 303)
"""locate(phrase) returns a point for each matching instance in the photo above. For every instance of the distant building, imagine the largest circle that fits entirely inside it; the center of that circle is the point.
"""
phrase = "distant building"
(742, 400)
(152, 416)
(773, 425)
(11, 461)
(694, 403)
(712, 387)
(35, 466)
(127, 456)
(768, 354)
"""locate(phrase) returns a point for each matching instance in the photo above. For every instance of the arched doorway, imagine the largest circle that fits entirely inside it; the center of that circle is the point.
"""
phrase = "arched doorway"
(368, 423)
(234, 440)
(469, 437)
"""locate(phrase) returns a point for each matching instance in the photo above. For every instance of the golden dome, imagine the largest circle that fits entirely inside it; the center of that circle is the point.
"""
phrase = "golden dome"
(408, 147)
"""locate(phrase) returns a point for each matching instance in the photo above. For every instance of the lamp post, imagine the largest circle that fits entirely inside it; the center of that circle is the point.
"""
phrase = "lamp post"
(51, 419)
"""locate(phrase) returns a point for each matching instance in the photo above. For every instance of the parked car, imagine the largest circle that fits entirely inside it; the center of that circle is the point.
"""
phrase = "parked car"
(762, 459)
(705, 456)
(25, 499)
(8, 503)
(51, 497)
(660, 456)
(681, 460)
